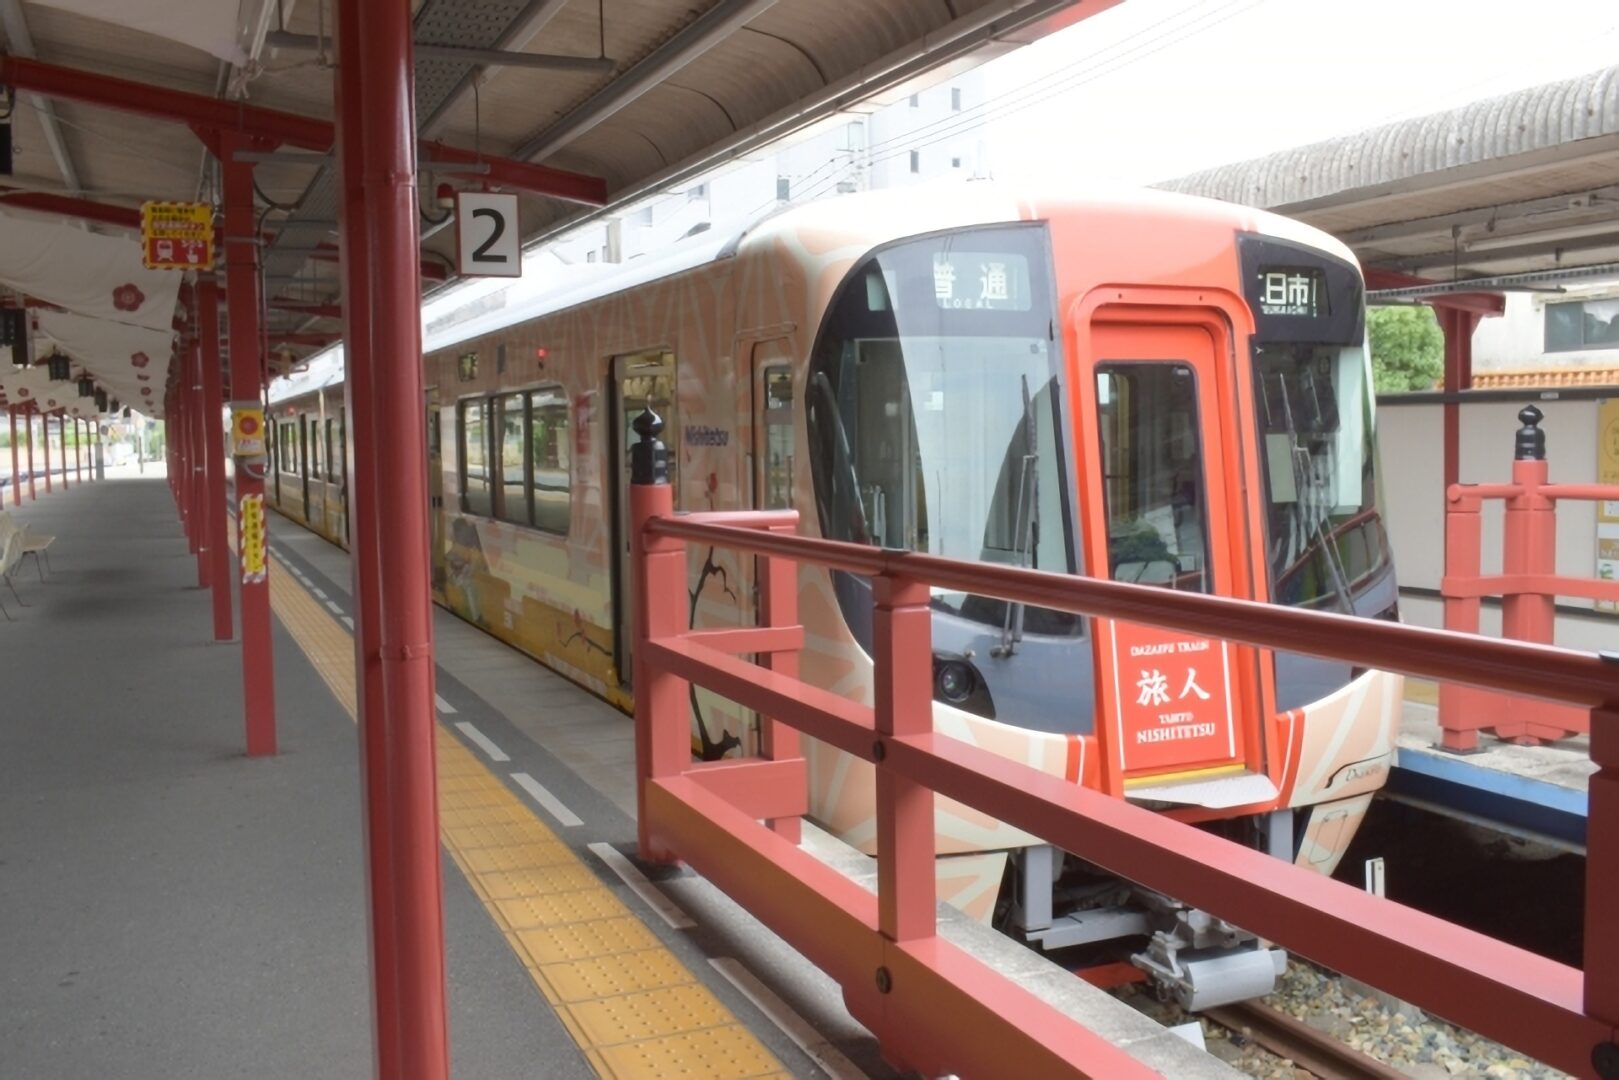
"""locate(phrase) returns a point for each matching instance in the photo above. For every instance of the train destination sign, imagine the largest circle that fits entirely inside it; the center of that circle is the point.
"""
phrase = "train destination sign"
(1172, 698)
(1291, 291)
(983, 280)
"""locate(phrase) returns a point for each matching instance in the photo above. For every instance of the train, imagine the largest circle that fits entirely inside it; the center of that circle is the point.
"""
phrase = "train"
(1142, 386)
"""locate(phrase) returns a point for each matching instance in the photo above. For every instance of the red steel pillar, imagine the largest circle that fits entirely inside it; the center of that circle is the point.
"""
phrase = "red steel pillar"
(389, 426)
(365, 537)
(16, 475)
(213, 437)
(78, 463)
(242, 284)
(198, 474)
(61, 439)
(45, 437)
(28, 420)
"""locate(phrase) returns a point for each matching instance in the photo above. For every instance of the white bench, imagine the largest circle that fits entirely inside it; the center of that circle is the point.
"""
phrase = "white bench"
(11, 539)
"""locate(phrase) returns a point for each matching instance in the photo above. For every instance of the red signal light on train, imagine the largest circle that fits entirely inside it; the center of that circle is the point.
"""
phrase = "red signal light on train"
(540, 354)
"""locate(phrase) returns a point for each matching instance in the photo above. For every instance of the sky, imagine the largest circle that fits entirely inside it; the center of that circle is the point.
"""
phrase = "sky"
(1155, 89)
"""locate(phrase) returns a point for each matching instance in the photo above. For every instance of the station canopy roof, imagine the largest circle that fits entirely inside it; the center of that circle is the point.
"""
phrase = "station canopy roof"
(1526, 183)
(616, 97)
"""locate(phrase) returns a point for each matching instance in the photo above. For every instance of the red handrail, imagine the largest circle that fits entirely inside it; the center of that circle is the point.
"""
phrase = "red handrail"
(933, 1007)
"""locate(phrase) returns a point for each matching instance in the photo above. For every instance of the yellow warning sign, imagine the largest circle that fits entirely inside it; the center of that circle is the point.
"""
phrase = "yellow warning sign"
(177, 236)
(251, 520)
(1608, 509)
(247, 430)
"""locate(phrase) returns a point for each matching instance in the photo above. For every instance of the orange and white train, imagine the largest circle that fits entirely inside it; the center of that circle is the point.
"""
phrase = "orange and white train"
(1146, 387)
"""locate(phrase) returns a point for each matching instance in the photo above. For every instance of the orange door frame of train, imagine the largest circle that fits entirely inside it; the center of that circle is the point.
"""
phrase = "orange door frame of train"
(1193, 328)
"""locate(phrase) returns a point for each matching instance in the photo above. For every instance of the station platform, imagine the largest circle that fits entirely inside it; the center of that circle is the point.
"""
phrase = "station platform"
(1537, 793)
(176, 909)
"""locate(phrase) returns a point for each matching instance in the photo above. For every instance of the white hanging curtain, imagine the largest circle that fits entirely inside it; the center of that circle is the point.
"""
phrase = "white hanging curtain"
(20, 386)
(131, 362)
(209, 25)
(99, 276)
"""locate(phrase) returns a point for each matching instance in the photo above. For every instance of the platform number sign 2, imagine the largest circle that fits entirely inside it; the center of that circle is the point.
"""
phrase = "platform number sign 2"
(487, 235)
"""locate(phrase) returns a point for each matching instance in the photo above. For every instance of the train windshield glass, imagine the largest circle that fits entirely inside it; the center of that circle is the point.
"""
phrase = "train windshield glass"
(1325, 537)
(935, 418)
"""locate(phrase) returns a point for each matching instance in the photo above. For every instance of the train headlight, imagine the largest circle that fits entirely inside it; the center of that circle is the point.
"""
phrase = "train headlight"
(953, 681)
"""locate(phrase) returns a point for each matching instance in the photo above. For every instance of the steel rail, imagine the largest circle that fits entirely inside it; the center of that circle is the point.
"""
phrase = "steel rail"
(1309, 1049)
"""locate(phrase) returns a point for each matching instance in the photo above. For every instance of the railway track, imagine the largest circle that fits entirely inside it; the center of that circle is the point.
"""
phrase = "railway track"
(1309, 1049)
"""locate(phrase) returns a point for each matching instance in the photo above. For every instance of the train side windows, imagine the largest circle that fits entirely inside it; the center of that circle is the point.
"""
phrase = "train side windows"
(511, 419)
(314, 453)
(475, 494)
(1152, 475)
(549, 459)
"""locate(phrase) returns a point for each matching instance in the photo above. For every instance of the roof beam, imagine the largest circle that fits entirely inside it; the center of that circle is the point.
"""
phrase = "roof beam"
(1529, 249)
(125, 218)
(708, 30)
(529, 22)
(70, 206)
(1443, 224)
(200, 111)
(595, 65)
(21, 43)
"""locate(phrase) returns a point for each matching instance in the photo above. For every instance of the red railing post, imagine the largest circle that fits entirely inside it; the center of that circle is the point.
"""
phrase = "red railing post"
(902, 645)
(658, 581)
(778, 606)
(45, 437)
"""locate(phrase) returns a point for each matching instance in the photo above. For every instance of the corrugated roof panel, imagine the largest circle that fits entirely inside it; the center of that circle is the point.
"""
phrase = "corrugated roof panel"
(1539, 118)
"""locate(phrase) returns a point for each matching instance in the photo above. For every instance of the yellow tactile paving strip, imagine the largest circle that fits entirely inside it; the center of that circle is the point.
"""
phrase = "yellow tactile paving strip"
(630, 1004)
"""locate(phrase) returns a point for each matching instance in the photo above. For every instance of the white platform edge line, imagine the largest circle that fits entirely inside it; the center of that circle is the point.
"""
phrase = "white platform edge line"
(335, 609)
(321, 593)
(551, 803)
(444, 706)
(795, 1027)
(666, 908)
(349, 619)
(485, 744)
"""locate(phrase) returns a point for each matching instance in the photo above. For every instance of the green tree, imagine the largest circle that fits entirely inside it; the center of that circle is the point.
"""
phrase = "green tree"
(1408, 348)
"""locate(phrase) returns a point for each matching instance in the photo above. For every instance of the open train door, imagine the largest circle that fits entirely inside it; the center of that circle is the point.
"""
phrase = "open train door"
(1177, 713)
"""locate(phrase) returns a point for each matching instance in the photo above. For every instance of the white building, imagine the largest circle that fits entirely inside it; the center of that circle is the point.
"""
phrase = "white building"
(927, 136)
(1576, 330)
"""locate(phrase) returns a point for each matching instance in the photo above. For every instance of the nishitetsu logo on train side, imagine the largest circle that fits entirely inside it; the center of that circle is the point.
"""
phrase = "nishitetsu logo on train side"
(703, 435)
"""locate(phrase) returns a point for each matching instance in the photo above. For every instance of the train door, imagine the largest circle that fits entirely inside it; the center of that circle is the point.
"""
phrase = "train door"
(435, 493)
(303, 460)
(274, 432)
(640, 381)
(1180, 709)
(772, 449)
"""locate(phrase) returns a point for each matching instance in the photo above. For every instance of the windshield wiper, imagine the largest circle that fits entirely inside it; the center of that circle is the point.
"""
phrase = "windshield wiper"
(1028, 498)
(823, 388)
(1303, 483)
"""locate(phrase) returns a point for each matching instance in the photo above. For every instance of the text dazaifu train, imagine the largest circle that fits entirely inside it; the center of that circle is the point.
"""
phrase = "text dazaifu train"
(1147, 387)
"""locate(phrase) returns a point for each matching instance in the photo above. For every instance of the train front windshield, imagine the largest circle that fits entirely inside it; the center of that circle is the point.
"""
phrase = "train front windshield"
(1324, 536)
(934, 409)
